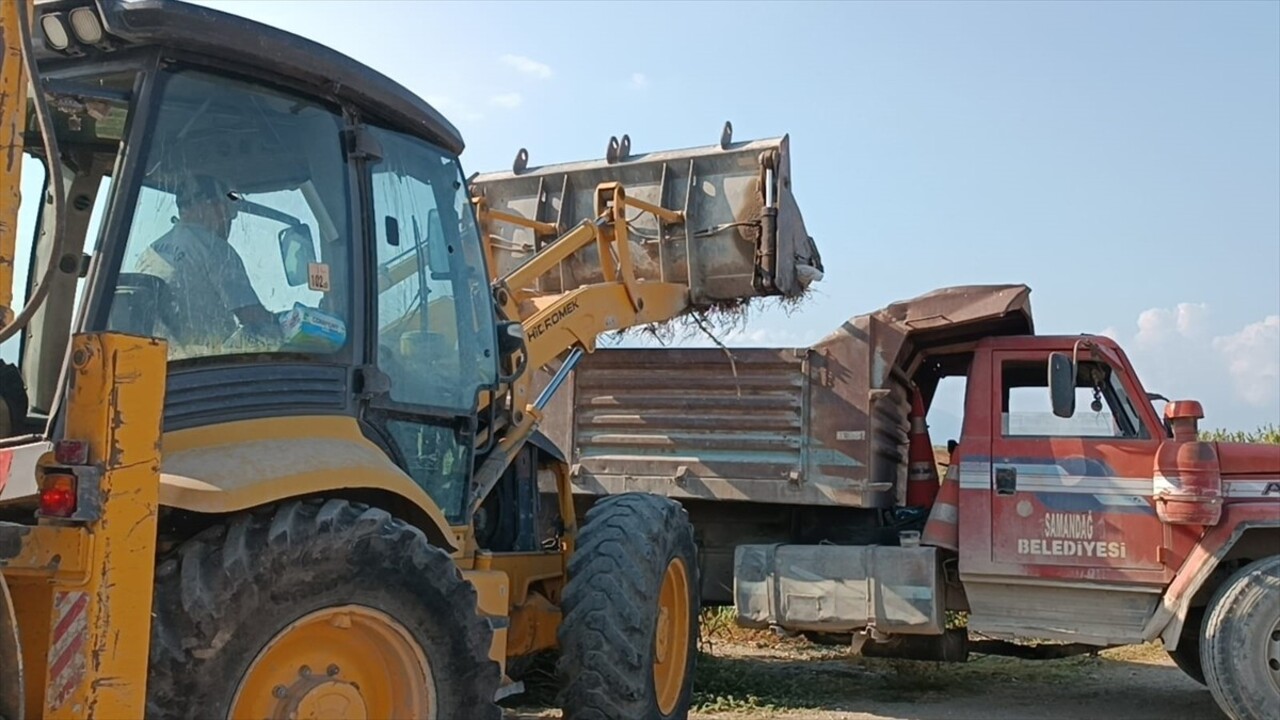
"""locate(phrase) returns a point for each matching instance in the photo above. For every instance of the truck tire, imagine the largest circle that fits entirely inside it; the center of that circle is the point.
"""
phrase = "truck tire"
(317, 608)
(1187, 654)
(1241, 646)
(629, 634)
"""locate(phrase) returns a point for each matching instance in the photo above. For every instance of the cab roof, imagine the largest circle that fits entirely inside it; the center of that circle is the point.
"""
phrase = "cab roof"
(232, 38)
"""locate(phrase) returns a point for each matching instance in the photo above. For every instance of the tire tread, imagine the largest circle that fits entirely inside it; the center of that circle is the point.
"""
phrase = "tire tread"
(609, 606)
(217, 584)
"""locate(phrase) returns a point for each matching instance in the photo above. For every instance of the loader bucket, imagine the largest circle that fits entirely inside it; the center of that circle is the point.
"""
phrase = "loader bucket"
(740, 236)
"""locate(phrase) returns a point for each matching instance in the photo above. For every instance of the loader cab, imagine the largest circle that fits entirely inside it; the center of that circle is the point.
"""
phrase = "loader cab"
(297, 228)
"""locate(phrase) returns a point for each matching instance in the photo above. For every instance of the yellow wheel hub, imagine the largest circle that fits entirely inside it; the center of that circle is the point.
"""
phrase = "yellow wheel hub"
(671, 639)
(340, 663)
(332, 700)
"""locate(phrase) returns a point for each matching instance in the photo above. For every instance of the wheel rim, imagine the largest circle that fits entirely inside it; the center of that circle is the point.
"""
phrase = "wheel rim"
(1273, 653)
(671, 640)
(347, 663)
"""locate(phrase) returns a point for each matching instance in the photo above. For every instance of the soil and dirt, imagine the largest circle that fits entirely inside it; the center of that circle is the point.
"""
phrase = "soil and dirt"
(745, 675)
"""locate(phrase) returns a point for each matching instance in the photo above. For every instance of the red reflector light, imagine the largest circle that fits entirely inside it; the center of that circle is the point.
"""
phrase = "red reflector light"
(58, 495)
(71, 452)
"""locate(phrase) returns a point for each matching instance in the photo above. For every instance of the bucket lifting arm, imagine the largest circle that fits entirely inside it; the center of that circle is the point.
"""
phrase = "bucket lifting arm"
(652, 238)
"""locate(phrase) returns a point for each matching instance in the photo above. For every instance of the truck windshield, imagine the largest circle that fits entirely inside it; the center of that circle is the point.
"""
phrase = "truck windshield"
(239, 240)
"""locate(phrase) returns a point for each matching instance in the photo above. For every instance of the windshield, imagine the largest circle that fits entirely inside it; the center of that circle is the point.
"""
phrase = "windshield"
(239, 239)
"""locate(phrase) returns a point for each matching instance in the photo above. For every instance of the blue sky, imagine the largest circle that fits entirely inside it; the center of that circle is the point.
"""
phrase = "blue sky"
(1123, 159)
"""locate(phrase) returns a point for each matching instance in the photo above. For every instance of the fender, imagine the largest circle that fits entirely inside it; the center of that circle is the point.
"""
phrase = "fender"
(1166, 623)
(240, 465)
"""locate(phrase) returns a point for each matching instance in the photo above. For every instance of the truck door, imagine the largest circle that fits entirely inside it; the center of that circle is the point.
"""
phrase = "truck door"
(1071, 496)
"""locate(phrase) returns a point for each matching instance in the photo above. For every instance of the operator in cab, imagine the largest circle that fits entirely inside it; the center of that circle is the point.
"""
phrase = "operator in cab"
(211, 298)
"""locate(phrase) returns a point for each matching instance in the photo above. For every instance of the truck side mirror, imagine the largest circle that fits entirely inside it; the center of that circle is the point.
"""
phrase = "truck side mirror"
(1062, 384)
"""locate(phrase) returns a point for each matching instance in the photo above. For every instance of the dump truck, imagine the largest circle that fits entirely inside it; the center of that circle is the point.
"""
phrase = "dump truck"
(1070, 516)
(270, 443)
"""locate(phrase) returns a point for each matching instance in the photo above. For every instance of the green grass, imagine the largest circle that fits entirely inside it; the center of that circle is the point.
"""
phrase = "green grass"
(1268, 434)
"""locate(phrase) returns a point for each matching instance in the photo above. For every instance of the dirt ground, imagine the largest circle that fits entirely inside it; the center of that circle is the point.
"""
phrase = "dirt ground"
(753, 680)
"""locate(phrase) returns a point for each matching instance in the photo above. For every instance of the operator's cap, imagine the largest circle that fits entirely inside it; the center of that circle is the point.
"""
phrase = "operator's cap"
(207, 188)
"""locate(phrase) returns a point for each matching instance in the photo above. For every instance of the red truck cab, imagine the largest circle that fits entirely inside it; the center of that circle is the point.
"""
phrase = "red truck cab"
(1084, 516)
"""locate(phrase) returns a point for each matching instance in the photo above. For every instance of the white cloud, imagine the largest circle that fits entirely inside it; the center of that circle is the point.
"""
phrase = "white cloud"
(1236, 374)
(1192, 319)
(507, 100)
(1252, 357)
(1188, 320)
(639, 80)
(527, 66)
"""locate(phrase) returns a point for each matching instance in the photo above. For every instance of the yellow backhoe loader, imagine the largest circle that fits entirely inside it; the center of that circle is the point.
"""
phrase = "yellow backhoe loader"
(269, 442)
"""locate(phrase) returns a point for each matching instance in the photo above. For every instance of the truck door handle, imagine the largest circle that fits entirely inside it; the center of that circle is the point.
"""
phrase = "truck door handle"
(1006, 480)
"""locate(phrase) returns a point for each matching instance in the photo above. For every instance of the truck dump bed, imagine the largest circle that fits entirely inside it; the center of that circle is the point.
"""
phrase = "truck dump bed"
(823, 425)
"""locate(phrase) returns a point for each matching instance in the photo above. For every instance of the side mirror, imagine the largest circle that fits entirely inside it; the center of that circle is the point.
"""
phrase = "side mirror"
(297, 253)
(1062, 384)
(510, 338)
(511, 341)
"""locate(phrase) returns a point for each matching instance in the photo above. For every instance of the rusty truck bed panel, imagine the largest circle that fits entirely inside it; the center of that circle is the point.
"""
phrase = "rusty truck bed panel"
(681, 423)
(824, 425)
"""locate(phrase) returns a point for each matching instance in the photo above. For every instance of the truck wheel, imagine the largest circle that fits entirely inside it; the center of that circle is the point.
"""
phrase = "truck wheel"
(1241, 650)
(1187, 656)
(629, 637)
(317, 608)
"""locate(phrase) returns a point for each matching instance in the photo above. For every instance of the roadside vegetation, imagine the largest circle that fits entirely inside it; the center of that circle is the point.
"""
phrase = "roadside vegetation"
(1266, 434)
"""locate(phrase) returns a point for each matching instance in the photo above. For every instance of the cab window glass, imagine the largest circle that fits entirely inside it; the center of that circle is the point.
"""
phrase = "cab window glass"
(1103, 408)
(438, 460)
(240, 239)
(435, 330)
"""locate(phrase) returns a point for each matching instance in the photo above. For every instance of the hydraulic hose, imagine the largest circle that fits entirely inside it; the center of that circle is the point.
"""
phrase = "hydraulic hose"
(54, 162)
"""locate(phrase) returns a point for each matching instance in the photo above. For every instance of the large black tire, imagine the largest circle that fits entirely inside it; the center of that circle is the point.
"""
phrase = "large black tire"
(611, 609)
(1187, 654)
(221, 596)
(1241, 646)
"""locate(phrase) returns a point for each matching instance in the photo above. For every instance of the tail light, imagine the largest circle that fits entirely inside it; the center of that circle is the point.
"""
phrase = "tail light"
(68, 489)
(58, 496)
